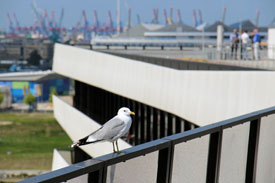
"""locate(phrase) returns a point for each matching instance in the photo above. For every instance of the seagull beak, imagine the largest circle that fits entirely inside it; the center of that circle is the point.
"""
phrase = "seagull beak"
(132, 113)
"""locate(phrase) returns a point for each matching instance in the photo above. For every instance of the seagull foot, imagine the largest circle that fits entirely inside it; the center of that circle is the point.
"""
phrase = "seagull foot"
(119, 152)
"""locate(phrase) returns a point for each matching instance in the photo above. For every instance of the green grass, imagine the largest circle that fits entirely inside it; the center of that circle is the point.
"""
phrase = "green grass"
(29, 141)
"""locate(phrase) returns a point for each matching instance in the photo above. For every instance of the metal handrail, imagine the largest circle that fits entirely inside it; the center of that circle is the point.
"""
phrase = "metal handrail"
(98, 166)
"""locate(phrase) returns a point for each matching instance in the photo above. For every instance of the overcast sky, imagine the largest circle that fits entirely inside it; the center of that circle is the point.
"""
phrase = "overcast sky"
(211, 10)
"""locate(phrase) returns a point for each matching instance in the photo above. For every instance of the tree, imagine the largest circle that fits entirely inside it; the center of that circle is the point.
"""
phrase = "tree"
(1, 98)
(34, 58)
(30, 100)
(53, 92)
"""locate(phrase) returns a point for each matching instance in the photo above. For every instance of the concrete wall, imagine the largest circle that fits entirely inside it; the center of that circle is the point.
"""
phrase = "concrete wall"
(190, 161)
(234, 154)
(202, 97)
(140, 169)
(266, 153)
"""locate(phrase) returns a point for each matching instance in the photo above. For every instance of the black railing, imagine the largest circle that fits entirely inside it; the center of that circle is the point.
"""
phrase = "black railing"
(97, 167)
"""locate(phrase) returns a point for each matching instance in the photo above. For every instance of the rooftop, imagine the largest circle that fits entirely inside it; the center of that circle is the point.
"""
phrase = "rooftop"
(29, 76)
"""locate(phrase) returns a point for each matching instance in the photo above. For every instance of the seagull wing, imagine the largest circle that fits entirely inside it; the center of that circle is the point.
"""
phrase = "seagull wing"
(110, 129)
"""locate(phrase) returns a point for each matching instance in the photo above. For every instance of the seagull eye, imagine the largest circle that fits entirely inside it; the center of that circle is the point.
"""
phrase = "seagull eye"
(125, 110)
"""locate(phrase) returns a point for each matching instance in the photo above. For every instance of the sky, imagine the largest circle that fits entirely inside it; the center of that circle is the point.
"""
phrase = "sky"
(211, 10)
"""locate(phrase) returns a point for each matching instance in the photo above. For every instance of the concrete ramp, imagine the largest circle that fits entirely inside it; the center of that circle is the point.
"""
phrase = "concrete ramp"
(201, 97)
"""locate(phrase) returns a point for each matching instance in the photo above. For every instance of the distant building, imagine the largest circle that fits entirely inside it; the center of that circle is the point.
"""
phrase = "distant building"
(176, 27)
(213, 27)
(247, 25)
(21, 49)
(38, 83)
(139, 30)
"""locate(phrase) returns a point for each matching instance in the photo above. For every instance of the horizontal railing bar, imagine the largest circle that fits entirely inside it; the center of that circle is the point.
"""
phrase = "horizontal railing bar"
(208, 129)
(135, 151)
(68, 172)
(143, 149)
(91, 165)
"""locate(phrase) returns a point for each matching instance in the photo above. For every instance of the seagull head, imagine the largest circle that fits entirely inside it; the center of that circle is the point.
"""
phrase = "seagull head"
(125, 111)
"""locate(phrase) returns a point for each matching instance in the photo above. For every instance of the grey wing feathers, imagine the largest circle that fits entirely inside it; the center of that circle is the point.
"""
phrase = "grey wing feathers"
(83, 140)
(110, 129)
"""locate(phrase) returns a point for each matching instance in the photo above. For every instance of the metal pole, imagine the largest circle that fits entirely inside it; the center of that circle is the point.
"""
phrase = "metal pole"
(203, 42)
(219, 41)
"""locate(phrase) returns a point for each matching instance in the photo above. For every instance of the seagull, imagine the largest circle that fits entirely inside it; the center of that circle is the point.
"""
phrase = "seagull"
(111, 131)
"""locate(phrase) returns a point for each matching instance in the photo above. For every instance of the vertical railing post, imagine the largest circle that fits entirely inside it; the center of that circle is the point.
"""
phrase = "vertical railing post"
(155, 123)
(118, 100)
(214, 156)
(187, 126)
(170, 124)
(92, 108)
(178, 124)
(76, 94)
(252, 152)
(96, 99)
(88, 106)
(148, 124)
(81, 96)
(102, 106)
(108, 104)
(165, 164)
(130, 104)
(142, 123)
(137, 122)
(162, 123)
(98, 176)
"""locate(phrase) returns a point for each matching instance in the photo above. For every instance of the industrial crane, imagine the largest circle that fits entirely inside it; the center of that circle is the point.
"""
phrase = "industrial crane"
(61, 18)
(200, 17)
(165, 17)
(223, 14)
(179, 17)
(11, 28)
(18, 28)
(195, 23)
(170, 19)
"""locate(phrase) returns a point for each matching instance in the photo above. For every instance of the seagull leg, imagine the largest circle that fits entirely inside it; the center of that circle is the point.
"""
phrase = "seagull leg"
(117, 147)
(114, 149)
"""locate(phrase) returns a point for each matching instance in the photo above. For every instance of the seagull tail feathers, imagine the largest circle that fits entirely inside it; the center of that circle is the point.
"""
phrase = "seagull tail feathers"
(75, 144)
(86, 140)
(81, 143)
